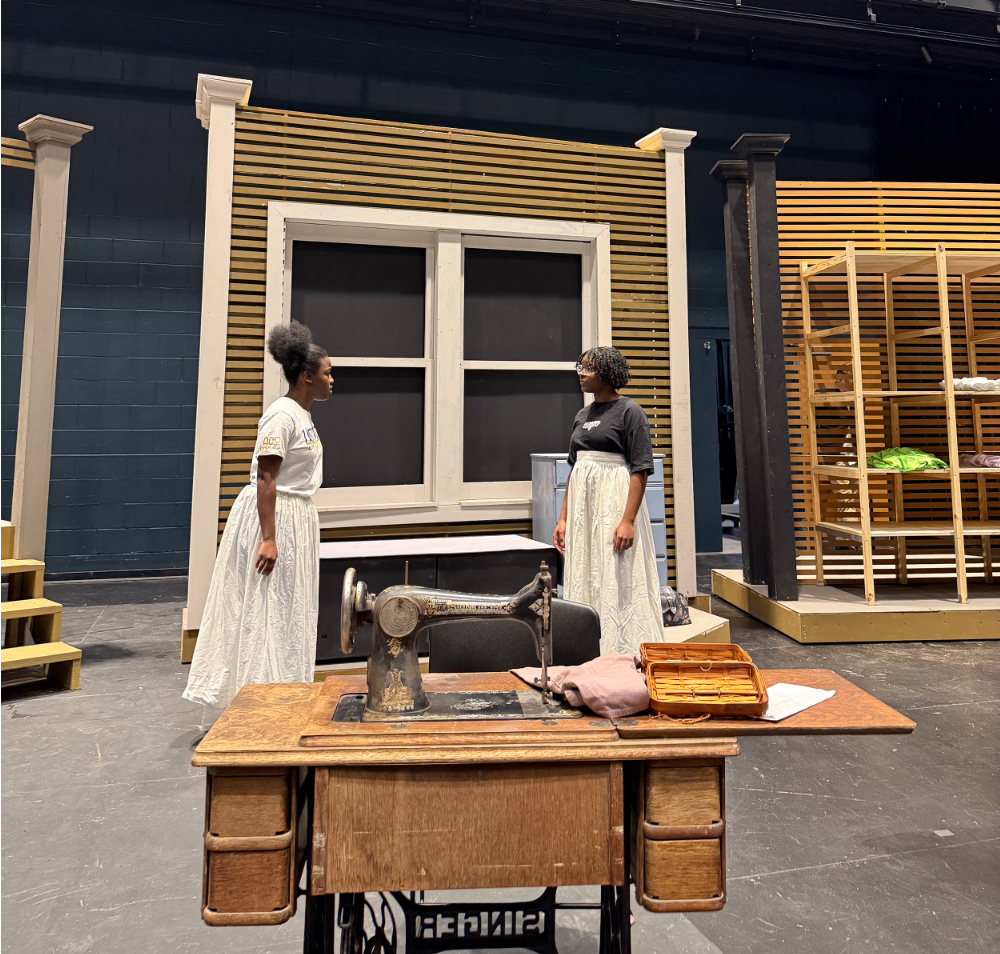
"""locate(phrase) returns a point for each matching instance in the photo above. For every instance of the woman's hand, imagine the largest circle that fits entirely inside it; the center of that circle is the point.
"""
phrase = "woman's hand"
(559, 536)
(624, 536)
(625, 533)
(266, 557)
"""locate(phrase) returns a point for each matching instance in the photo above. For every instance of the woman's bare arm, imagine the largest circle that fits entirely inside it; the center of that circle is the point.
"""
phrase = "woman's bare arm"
(625, 532)
(267, 496)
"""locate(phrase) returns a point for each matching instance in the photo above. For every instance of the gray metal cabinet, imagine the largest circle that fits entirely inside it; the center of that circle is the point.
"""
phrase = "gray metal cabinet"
(549, 473)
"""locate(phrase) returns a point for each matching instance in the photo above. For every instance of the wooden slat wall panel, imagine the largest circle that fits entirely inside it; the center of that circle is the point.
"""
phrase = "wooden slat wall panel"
(17, 153)
(304, 157)
(815, 220)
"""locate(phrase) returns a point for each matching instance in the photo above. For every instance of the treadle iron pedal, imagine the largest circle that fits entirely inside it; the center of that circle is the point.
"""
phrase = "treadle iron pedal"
(400, 613)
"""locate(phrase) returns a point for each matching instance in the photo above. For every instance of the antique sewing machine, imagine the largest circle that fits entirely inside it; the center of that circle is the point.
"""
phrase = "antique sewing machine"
(400, 613)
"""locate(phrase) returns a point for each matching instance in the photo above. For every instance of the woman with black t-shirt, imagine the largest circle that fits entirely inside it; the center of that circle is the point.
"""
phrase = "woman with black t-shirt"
(604, 527)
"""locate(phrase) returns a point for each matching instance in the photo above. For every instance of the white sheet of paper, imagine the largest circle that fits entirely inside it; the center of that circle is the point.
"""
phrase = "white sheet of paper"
(784, 700)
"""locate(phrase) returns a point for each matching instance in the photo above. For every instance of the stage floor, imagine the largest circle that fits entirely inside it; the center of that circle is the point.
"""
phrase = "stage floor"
(838, 614)
(852, 853)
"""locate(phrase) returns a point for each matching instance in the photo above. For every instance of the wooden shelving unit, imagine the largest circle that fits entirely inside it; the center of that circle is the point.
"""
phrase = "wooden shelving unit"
(890, 266)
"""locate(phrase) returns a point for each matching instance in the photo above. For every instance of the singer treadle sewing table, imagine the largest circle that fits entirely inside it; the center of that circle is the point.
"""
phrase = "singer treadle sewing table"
(404, 807)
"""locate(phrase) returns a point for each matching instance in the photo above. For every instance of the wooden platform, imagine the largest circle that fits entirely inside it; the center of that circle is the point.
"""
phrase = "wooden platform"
(705, 627)
(829, 614)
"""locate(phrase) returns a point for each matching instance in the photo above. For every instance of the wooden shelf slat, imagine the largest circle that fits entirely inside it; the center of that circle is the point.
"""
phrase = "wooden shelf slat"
(847, 397)
(829, 332)
(914, 528)
(918, 333)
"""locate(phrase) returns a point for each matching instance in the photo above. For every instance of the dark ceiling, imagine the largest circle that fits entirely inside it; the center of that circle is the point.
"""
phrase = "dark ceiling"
(957, 37)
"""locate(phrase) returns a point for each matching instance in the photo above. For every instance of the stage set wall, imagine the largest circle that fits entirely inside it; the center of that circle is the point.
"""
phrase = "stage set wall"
(328, 160)
(124, 427)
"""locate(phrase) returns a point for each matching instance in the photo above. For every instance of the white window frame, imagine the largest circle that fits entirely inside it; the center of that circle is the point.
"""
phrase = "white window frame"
(444, 496)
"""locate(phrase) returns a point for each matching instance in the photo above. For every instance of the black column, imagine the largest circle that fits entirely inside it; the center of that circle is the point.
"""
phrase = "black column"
(732, 173)
(759, 151)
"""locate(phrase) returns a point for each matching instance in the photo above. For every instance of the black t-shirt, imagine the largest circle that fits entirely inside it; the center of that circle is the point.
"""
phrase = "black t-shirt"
(614, 427)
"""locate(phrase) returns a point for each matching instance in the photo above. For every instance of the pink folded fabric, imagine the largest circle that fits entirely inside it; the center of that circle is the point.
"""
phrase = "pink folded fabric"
(979, 460)
(611, 685)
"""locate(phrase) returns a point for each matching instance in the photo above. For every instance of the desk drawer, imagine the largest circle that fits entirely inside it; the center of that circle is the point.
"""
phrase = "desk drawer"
(252, 805)
(682, 797)
(683, 875)
(250, 846)
(679, 857)
(428, 827)
(249, 881)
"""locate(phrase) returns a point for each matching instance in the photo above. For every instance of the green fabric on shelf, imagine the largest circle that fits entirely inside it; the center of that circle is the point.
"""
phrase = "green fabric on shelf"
(905, 459)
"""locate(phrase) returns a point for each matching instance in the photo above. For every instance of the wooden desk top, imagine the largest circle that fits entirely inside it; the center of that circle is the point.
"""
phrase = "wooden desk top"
(322, 732)
(265, 723)
(852, 711)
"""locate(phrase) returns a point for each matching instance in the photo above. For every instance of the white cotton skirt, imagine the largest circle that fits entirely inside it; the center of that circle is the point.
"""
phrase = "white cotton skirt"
(623, 587)
(258, 628)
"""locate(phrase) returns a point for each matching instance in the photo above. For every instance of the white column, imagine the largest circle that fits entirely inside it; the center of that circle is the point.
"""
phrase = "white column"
(53, 139)
(449, 384)
(215, 103)
(672, 143)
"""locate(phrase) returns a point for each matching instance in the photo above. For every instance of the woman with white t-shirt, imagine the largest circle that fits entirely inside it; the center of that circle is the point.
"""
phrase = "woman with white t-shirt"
(259, 623)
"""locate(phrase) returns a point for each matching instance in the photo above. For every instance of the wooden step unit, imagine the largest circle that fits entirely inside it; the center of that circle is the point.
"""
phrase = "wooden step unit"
(30, 609)
(26, 607)
(62, 660)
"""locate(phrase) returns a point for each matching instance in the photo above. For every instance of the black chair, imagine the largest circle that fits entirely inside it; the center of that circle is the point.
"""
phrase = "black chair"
(496, 645)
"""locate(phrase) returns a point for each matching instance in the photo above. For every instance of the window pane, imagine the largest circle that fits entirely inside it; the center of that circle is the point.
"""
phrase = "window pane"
(372, 427)
(522, 306)
(510, 415)
(361, 301)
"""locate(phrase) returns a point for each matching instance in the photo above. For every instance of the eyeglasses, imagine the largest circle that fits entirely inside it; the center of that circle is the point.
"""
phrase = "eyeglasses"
(581, 369)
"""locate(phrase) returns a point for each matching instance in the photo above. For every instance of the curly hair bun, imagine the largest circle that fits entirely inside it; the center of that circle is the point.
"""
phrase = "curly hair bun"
(292, 347)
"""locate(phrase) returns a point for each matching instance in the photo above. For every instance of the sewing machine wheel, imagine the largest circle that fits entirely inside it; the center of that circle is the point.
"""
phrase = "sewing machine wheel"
(353, 599)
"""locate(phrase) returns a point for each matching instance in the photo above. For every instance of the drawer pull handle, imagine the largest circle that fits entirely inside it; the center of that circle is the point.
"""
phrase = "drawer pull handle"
(657, 906)
(675, 832)
(243, 919)
(248, 843)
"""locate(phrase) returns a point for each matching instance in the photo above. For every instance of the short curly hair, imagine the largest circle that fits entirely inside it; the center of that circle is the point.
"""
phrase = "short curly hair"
(610, 365)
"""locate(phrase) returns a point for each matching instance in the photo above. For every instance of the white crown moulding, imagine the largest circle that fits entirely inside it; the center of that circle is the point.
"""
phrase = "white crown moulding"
(222, 89)
(43, 128)
(666, 140)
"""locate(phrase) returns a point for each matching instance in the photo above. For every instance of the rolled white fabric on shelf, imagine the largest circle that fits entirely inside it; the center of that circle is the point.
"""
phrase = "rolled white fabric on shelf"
(975, 384)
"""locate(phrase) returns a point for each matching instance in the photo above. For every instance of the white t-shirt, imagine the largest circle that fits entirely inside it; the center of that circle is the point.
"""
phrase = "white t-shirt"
(286, 430)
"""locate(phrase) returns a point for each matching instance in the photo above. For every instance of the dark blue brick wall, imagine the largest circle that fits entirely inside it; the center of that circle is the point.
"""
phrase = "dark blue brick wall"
(123, 433)
(124, 428)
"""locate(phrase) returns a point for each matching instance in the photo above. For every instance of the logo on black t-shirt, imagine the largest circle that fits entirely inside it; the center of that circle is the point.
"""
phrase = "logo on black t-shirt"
(590, 425)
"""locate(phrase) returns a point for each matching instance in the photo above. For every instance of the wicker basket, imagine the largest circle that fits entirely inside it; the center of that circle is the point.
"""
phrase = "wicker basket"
(682, 689)
(667, 652)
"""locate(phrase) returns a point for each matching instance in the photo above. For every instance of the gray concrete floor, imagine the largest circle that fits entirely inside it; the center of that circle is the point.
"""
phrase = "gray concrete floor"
(887, 845)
